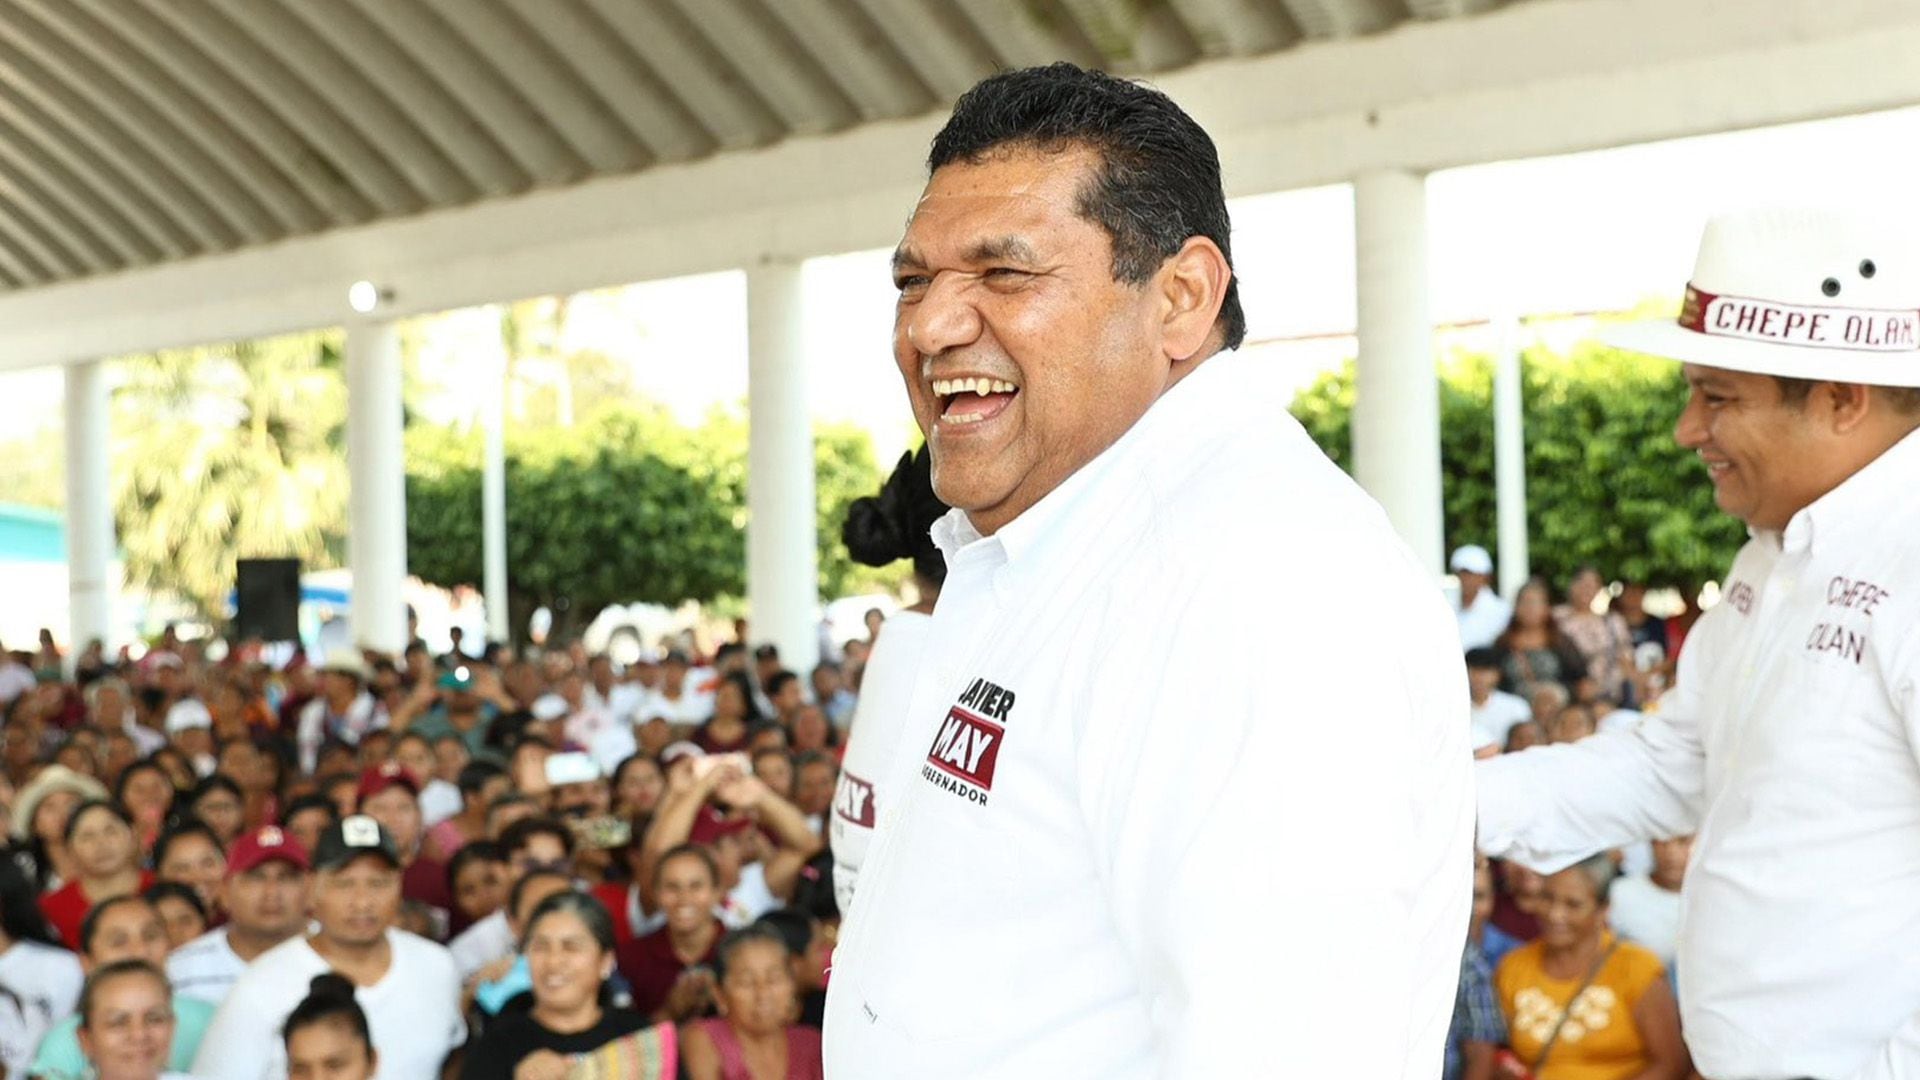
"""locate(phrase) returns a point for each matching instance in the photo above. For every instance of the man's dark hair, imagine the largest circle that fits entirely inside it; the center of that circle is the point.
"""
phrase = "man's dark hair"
(517, 835)
(1484, 659)
(778, 681)
(476, 775)
(1158, 182)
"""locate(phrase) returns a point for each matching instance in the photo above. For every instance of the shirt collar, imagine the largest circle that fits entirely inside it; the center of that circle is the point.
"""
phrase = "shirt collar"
(1158, 450)
(1858, 498)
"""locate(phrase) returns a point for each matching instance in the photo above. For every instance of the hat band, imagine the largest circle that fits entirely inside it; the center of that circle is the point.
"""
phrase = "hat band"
(1776, 323)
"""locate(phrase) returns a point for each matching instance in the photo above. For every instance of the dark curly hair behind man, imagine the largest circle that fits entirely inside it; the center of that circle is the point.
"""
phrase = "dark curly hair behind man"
(1158, 184)
(892, 525)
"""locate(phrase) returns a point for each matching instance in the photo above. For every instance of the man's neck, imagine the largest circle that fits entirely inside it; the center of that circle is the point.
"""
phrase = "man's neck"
(363, 965)
(248, 944)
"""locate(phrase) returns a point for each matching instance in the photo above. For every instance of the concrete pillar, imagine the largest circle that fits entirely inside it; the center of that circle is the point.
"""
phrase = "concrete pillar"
(90, 536)
(1396, 412)
(782, 566)
(493, 483)
(377, 499)
(1510, 458)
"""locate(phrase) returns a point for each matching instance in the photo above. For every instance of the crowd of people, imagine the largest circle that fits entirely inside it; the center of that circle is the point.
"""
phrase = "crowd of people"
(1568, 976)
(525, 866)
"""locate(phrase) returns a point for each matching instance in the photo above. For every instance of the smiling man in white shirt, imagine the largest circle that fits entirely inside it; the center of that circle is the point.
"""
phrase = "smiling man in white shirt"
(1116, 850)
(1791, 739)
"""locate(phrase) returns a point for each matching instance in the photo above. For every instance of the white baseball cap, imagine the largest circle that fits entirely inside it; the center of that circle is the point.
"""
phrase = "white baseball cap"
(1803, 294)
(1472, 559)
(187, 714)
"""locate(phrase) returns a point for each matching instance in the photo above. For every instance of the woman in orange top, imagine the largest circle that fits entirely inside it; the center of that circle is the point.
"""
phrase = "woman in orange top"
(1607, 999)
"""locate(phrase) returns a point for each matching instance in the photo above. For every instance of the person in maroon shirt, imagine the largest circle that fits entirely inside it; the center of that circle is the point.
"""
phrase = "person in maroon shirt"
(390, 794)
(670, 970)
(106, 857)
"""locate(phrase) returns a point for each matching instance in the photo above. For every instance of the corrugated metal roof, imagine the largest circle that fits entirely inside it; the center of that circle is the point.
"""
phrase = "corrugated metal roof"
(135, 132)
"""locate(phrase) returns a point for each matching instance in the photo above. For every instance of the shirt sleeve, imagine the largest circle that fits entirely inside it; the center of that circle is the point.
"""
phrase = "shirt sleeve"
(1246, 760)
(1551, 806)
(237, 1044)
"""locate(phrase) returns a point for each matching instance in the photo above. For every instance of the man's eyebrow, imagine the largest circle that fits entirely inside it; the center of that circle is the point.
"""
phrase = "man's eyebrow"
(1003, 249)
(905, 257)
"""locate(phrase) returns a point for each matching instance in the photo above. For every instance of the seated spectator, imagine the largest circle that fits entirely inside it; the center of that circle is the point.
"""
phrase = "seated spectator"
(755, 1037)
(532, 844)
(775, 769)
(733, 712)
(190, 734)
(810, 732)
(1603, 639)
(42, 978)
(816, 774)
(190, 854)
(220, 803)
(753, 881)
(568, 943)
(810, 947)
(478, 879)
(1493, 942)
(450, 755)
(481, 782)
(638, 784)
(1645, 908)
(1478, 1030)
(182, 912)
(1525, 736)
(439, 800)
(407, 984)
(390, 794)
(1579, 1003)
(667, 968)
(106, 859)
(307, 816)
(1495, 712)
(1533, 649)
(264, 893)
(831, 693)
(40, 815)
(326, 1036)
(1571, 724)
(344, 711)
(125, 928)
(127, 1022)
(508, 977)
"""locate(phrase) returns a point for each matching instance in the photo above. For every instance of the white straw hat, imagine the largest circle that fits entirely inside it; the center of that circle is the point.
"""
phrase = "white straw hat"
(1805, 294)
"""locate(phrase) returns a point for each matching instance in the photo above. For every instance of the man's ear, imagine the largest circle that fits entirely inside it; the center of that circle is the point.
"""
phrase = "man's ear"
(1849, 405)
(1192, 287)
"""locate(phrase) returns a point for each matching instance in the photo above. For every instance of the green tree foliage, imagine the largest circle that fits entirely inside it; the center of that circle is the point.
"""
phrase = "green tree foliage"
(229, 452)
(1606, 483)
(629, 505)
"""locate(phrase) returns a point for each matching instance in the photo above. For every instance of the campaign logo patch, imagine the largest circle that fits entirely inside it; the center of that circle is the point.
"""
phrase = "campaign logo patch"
(967, 746)
(854, 800)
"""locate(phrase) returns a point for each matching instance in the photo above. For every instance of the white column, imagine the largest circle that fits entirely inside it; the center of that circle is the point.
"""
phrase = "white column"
(1510, 457)
(377, 499)
(782, 567)
(1396, 411)
(90, 537)
(493, 482)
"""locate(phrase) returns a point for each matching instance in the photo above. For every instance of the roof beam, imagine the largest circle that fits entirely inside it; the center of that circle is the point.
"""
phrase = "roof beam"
(1524, 81)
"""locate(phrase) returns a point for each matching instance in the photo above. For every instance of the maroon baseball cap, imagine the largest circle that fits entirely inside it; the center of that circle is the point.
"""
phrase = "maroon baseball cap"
(378, 778)
(263, 844)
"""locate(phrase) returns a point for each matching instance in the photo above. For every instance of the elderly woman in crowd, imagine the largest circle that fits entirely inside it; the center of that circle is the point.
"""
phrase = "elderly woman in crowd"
(1579, 1003)
(755, 1037)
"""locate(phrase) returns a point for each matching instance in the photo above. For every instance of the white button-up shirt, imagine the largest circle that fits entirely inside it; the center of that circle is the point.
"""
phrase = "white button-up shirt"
(1184, 789)
(1788, 745)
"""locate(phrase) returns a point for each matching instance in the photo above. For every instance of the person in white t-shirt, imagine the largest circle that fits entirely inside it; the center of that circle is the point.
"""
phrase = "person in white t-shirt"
(1645, 908)
(1483, 615)
(880, 530)
(679, 698)
(407, 984)
(265, 897)
(1495, 712)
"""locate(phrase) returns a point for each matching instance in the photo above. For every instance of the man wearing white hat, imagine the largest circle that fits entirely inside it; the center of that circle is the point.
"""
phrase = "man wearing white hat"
(1791, 741)
(1483, 615)
(344, 709)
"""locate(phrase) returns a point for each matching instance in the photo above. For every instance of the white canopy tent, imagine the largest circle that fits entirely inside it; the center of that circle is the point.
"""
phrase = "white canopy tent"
(176, 173)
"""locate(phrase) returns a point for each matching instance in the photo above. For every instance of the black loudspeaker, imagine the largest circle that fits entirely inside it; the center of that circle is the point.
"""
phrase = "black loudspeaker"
(267, 599)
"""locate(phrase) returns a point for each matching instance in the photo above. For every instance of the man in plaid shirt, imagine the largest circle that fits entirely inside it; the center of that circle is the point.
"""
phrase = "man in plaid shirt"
(1478, 1028)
